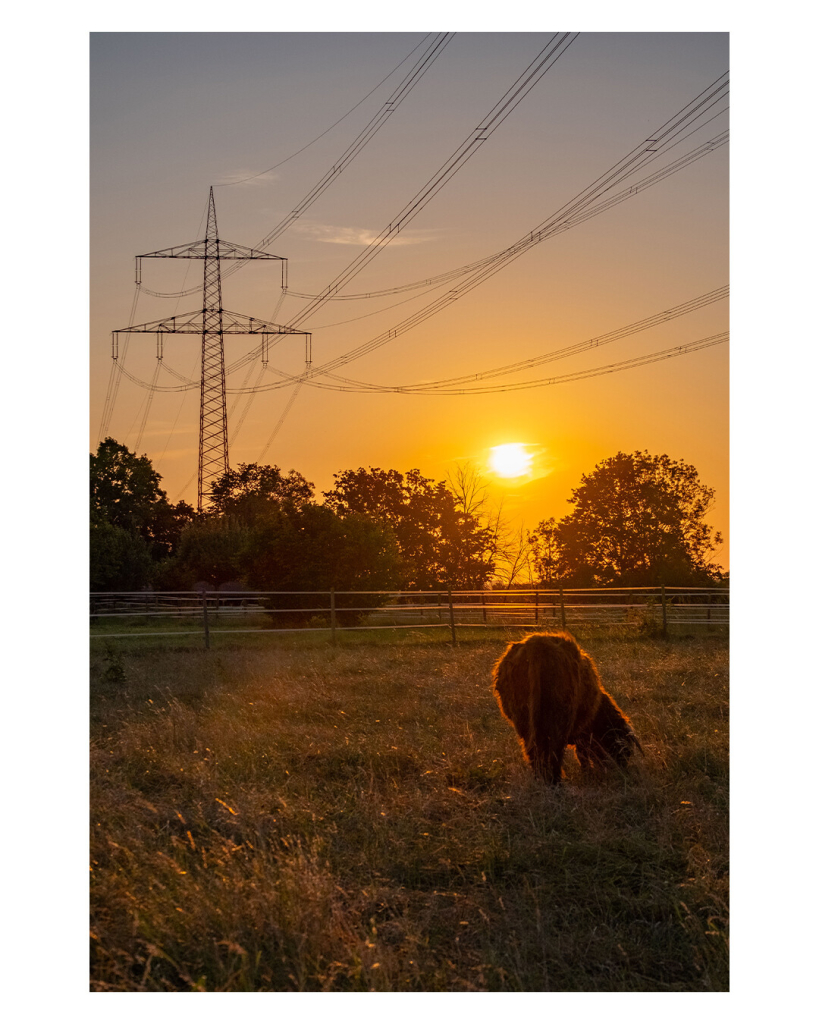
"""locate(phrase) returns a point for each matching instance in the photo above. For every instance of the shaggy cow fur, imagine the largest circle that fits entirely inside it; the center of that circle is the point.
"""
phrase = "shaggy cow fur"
(549, 689)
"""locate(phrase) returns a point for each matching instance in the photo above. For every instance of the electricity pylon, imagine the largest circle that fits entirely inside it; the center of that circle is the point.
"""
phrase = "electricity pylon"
(212, 322)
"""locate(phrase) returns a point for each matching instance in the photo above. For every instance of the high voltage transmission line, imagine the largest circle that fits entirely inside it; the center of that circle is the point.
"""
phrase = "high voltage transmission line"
(215, 322)
(587, 204)
(600, 207)
(523, 85)
(388, 108)
(435, 46)
(605, 192)
(581, 204)
(599, 341)
(626, 364)
(211, 323)
(664, 316)
(429, 284)
(430, 54)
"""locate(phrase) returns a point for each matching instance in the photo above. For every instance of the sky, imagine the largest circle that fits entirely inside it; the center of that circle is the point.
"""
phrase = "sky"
(772, 392)
(172, 114)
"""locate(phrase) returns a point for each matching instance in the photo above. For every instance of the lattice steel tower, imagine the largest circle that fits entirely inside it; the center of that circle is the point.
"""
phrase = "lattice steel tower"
(213, 322)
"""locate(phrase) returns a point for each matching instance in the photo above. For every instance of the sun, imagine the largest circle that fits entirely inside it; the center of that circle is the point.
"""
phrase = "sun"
(510, 460)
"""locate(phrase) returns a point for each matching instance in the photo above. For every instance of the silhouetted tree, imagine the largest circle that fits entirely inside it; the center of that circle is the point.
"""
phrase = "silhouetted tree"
(125, 488)
(440, 544)
(639, 520)
(314, 548)
(125, 496)
(252, 491)
(546, 553)
(212, 550)
(119, 558)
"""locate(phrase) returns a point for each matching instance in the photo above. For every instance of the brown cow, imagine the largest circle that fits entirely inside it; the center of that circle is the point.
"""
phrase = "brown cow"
(550, 690)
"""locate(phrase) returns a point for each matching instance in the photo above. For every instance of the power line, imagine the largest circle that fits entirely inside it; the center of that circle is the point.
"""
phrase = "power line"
(580, 204)
(430, 283)
(597, 197)
(388, 108)
(544, 61)
(335, 124)
(581, 207)
(490, 262)
(664, 316)
(282, 418)
(115, 377)
(626, 364)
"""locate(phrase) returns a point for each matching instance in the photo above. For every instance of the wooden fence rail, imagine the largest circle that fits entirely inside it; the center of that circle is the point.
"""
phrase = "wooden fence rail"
(213, 612)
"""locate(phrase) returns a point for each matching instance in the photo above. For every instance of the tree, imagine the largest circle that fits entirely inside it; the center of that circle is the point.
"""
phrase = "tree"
(639, 521)
(313, 548)
(119, 558)
(133, 526)
(506, 546)
(125, 489)
(440, 543)
(251, 491)
(288, 548)
(544, 544)
(212, 550)
(513, 558)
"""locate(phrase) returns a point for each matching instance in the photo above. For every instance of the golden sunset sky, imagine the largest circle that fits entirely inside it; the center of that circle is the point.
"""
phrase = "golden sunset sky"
(173, 114)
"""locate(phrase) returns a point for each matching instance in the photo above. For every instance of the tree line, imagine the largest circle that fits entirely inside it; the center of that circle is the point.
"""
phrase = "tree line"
(637, 520)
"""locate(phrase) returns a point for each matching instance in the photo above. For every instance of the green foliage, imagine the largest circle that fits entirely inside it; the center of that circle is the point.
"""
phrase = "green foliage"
(290, 548)
(441, 544)
(250, 492)
(213, 551)
(313, 548)
(119, 558)
(638, 520)
(133, 526)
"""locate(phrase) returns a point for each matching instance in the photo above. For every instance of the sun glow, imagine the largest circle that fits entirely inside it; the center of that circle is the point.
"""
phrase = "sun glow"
(510, 460)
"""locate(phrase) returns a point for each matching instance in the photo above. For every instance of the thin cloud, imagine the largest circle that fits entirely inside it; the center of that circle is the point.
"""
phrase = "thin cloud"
(247, 178)
(335, 235)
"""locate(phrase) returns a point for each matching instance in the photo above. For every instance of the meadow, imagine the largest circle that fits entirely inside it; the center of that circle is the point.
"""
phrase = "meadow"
(279, 814)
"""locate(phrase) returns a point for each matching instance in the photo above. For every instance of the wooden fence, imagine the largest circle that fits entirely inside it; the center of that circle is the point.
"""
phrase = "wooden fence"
(210, 612)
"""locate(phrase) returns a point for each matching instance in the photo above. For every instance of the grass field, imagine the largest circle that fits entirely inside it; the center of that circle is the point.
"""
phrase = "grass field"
(285, 815)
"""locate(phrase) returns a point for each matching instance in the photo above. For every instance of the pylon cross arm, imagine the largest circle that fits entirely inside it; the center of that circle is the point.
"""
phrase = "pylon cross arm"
(191, 323)
(197, 251)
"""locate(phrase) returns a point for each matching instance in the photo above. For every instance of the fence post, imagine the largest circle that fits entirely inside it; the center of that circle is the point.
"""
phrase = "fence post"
(562, 610)
(665, 612)
(483, 606)
(332, 615)
(451, 615)
(205, 618)
(537, 598)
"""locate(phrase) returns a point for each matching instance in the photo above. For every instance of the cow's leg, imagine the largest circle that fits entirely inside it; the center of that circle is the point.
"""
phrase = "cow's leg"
(536, 758)
(584, 753)
(555, 764)
(550, 744)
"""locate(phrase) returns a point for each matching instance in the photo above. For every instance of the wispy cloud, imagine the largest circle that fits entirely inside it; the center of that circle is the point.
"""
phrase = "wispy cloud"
(335, 235)
(247, 178)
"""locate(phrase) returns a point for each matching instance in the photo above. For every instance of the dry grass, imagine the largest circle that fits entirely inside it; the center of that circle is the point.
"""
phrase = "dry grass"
(303, 817)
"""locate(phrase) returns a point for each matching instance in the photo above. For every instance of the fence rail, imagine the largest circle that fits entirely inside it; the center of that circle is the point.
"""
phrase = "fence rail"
(219, 612)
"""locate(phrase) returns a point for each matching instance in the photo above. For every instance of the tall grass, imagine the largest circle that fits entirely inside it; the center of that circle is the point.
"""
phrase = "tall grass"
(359, 818)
